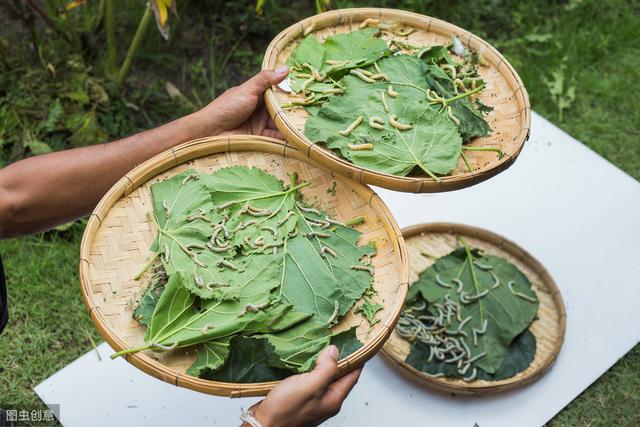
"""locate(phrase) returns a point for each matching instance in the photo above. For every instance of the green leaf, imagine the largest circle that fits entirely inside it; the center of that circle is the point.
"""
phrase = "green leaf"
(346, 341)
(506, 314)
(148, 301)
(249, 361)
(432, 145)
(309, 51)
(211, 356)
(369, 311)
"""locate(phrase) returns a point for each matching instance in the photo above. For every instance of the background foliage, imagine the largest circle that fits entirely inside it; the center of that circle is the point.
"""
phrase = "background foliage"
(577, 58)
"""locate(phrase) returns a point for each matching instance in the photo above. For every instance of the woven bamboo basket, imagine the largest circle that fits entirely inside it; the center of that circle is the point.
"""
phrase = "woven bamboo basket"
(505, 92)
(116, 242)
(439, 239)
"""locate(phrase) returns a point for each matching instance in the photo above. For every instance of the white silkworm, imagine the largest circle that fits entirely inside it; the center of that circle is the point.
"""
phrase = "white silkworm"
(336, 309)
(481, 266)
(520, 294)
(165, 253)
(206, 328)
(202, 217)
(351, 127)
(376, 122)
(471, 377)
(225, 263)
(466, 348)
(393, 119)
(317, 75)
(453, 118)
(327, 250)
(244, 225)
(440, 282)
(307, 209)
(199, 281)
(392, 93)
(496, 281)
(189, 178)
(273, 245)
(362, 76)
(459, 283)
(334, 221)
(196, 246)
(477, 357)
(464, 369)
(159, 347)
(293, 233)
(380, 76)
(225, 205)
(369, 22)
(451, 69)
(248, 242)
(270, 229)
(254, 308)
(195, 259)
(284, 219)
(384, 102)
(360, 147)
(478, 295)
(309, 29)
(166, 207)
(216, 248)
(436, 375)
(317, 234)
(259, 241)
(362, 268)
(475, 337)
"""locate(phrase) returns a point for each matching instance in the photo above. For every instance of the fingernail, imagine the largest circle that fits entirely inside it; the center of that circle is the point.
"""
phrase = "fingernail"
(283, 69)
(333, 351)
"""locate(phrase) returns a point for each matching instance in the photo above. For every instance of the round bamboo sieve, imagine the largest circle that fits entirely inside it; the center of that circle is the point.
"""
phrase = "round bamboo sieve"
(116, 242)
(505, 92)
(439, 239)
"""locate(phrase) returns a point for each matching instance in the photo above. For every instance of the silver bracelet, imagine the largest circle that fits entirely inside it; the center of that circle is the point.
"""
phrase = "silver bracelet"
(247, 417)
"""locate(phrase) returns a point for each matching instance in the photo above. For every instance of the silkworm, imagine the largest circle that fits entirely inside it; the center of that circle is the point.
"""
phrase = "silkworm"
(362, 268)
(327, 250)
(484, 327)
(377, 67)
(225, 205)
(392, 93)
(451, 68)
(376, 122)
(478, 295)
(166, 207)
(306, 83)
(335, 62)
(225, 263)
(307, 209)
(477, 357)
(366, 259)
(247, 240)
(195, 259)
(520, 294)
(496, 281)
(206, 328)
(259, 241)
(202, 217)
(165, 253)
(431, 354)
(380, 76)
(270, 229)
(336, 309)
(160, 347)
(360, 147)
(384, 102)
(254, 308)
(459, 283)
(303, 75)
(275, 250)
(403, 32)
(309, 29)
(317, 234)
(284, 219)
(453, 118)
(475, 337)
(393, 119)
(471, 377)
(244, 225)
(273, 245)
(196, 245)
(441, 282)
(216, 248)
(317, 75)
(199, 281)
(369, 22)
(189, 178)
(332, 90)
(334, 221)
(466, 348)
(361, 76)
(293, 233)
(481, 266)
(464, 369)
(436, 375)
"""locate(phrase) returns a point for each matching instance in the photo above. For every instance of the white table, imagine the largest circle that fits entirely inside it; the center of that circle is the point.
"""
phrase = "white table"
(573, 210)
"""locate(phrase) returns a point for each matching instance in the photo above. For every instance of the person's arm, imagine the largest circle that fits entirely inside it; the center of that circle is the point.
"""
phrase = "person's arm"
(306, 399)
(43, 191)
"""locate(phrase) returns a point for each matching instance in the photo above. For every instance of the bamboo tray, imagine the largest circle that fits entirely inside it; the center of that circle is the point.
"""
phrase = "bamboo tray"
(549, 327)
(505, 92)
(116, 242)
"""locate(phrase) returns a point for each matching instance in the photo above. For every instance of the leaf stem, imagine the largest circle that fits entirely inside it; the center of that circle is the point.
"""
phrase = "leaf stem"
(463, 95)
(355, 221)
(466, 162)
(130, 350)
(474, 278)
(497, 150)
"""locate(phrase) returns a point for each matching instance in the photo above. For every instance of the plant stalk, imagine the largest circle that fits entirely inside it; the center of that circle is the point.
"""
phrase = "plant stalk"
(135, 45)
(111, 38)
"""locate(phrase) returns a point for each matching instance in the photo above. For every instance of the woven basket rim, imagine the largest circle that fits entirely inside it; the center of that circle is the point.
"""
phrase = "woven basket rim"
(523, 256)
(182, 154)
(382, 179)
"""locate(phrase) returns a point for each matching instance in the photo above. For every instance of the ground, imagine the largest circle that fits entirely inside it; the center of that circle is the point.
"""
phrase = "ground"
(578, 60)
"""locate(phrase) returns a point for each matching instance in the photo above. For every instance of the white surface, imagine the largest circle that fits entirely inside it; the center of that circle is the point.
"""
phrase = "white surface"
(574, 211)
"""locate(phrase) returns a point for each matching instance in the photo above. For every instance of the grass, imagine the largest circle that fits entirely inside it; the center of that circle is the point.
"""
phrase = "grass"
(588, 46)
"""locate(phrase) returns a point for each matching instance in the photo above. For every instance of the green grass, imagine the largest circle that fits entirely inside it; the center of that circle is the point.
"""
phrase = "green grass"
(591, 45)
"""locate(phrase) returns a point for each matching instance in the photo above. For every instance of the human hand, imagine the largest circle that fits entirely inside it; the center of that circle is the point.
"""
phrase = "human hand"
(307, 399)
(241, 109)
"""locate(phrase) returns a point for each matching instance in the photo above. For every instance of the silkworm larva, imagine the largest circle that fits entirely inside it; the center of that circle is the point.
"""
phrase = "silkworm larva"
(485, 267)
(259, 241)
(273, 245)
(166, 207)
(362, 268)
(477, 357)
(454, 358)
(369, 22)
(189, 178)
(384, 102)
(244, 225)
(159, 347)
(464, 369)
(165, 252)
(225, 205)
(403, 32)
(436, 375)
(440, 282)
(392, 93)
(317, 234)
(496, 281)
(458, 316)
(336, 309)
(332, 90)
(206, 328)
(303, 75)
(361, 76)
(284, 219)
(254, 308)
(360, 147)
(484, 327)
(191, 218)
(265, 212)
(247, 240)
(393, 119)
(466, 348)
(216, 248)
(334, 221)
(307, 209)
(376, 122)
(225, 263)
(451, 68)
(519, 294)
(377, 67)
(380, 76)
(334, 62)
(195, 259)
(293, 233)
(199, 281)
(471, 377)
(453, 118)
(431, 354)
(478, 296)
(306, 83)
(327, 250)
(317, 75)
(309, 29)
(196, 246)
(366, 259)
(270, 229)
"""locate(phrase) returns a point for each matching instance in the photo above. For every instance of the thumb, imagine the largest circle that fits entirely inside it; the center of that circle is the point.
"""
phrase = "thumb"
(265, 79)
(326, 366)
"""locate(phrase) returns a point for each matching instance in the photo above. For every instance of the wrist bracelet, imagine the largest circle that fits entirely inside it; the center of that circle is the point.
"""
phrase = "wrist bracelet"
(247, 417)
